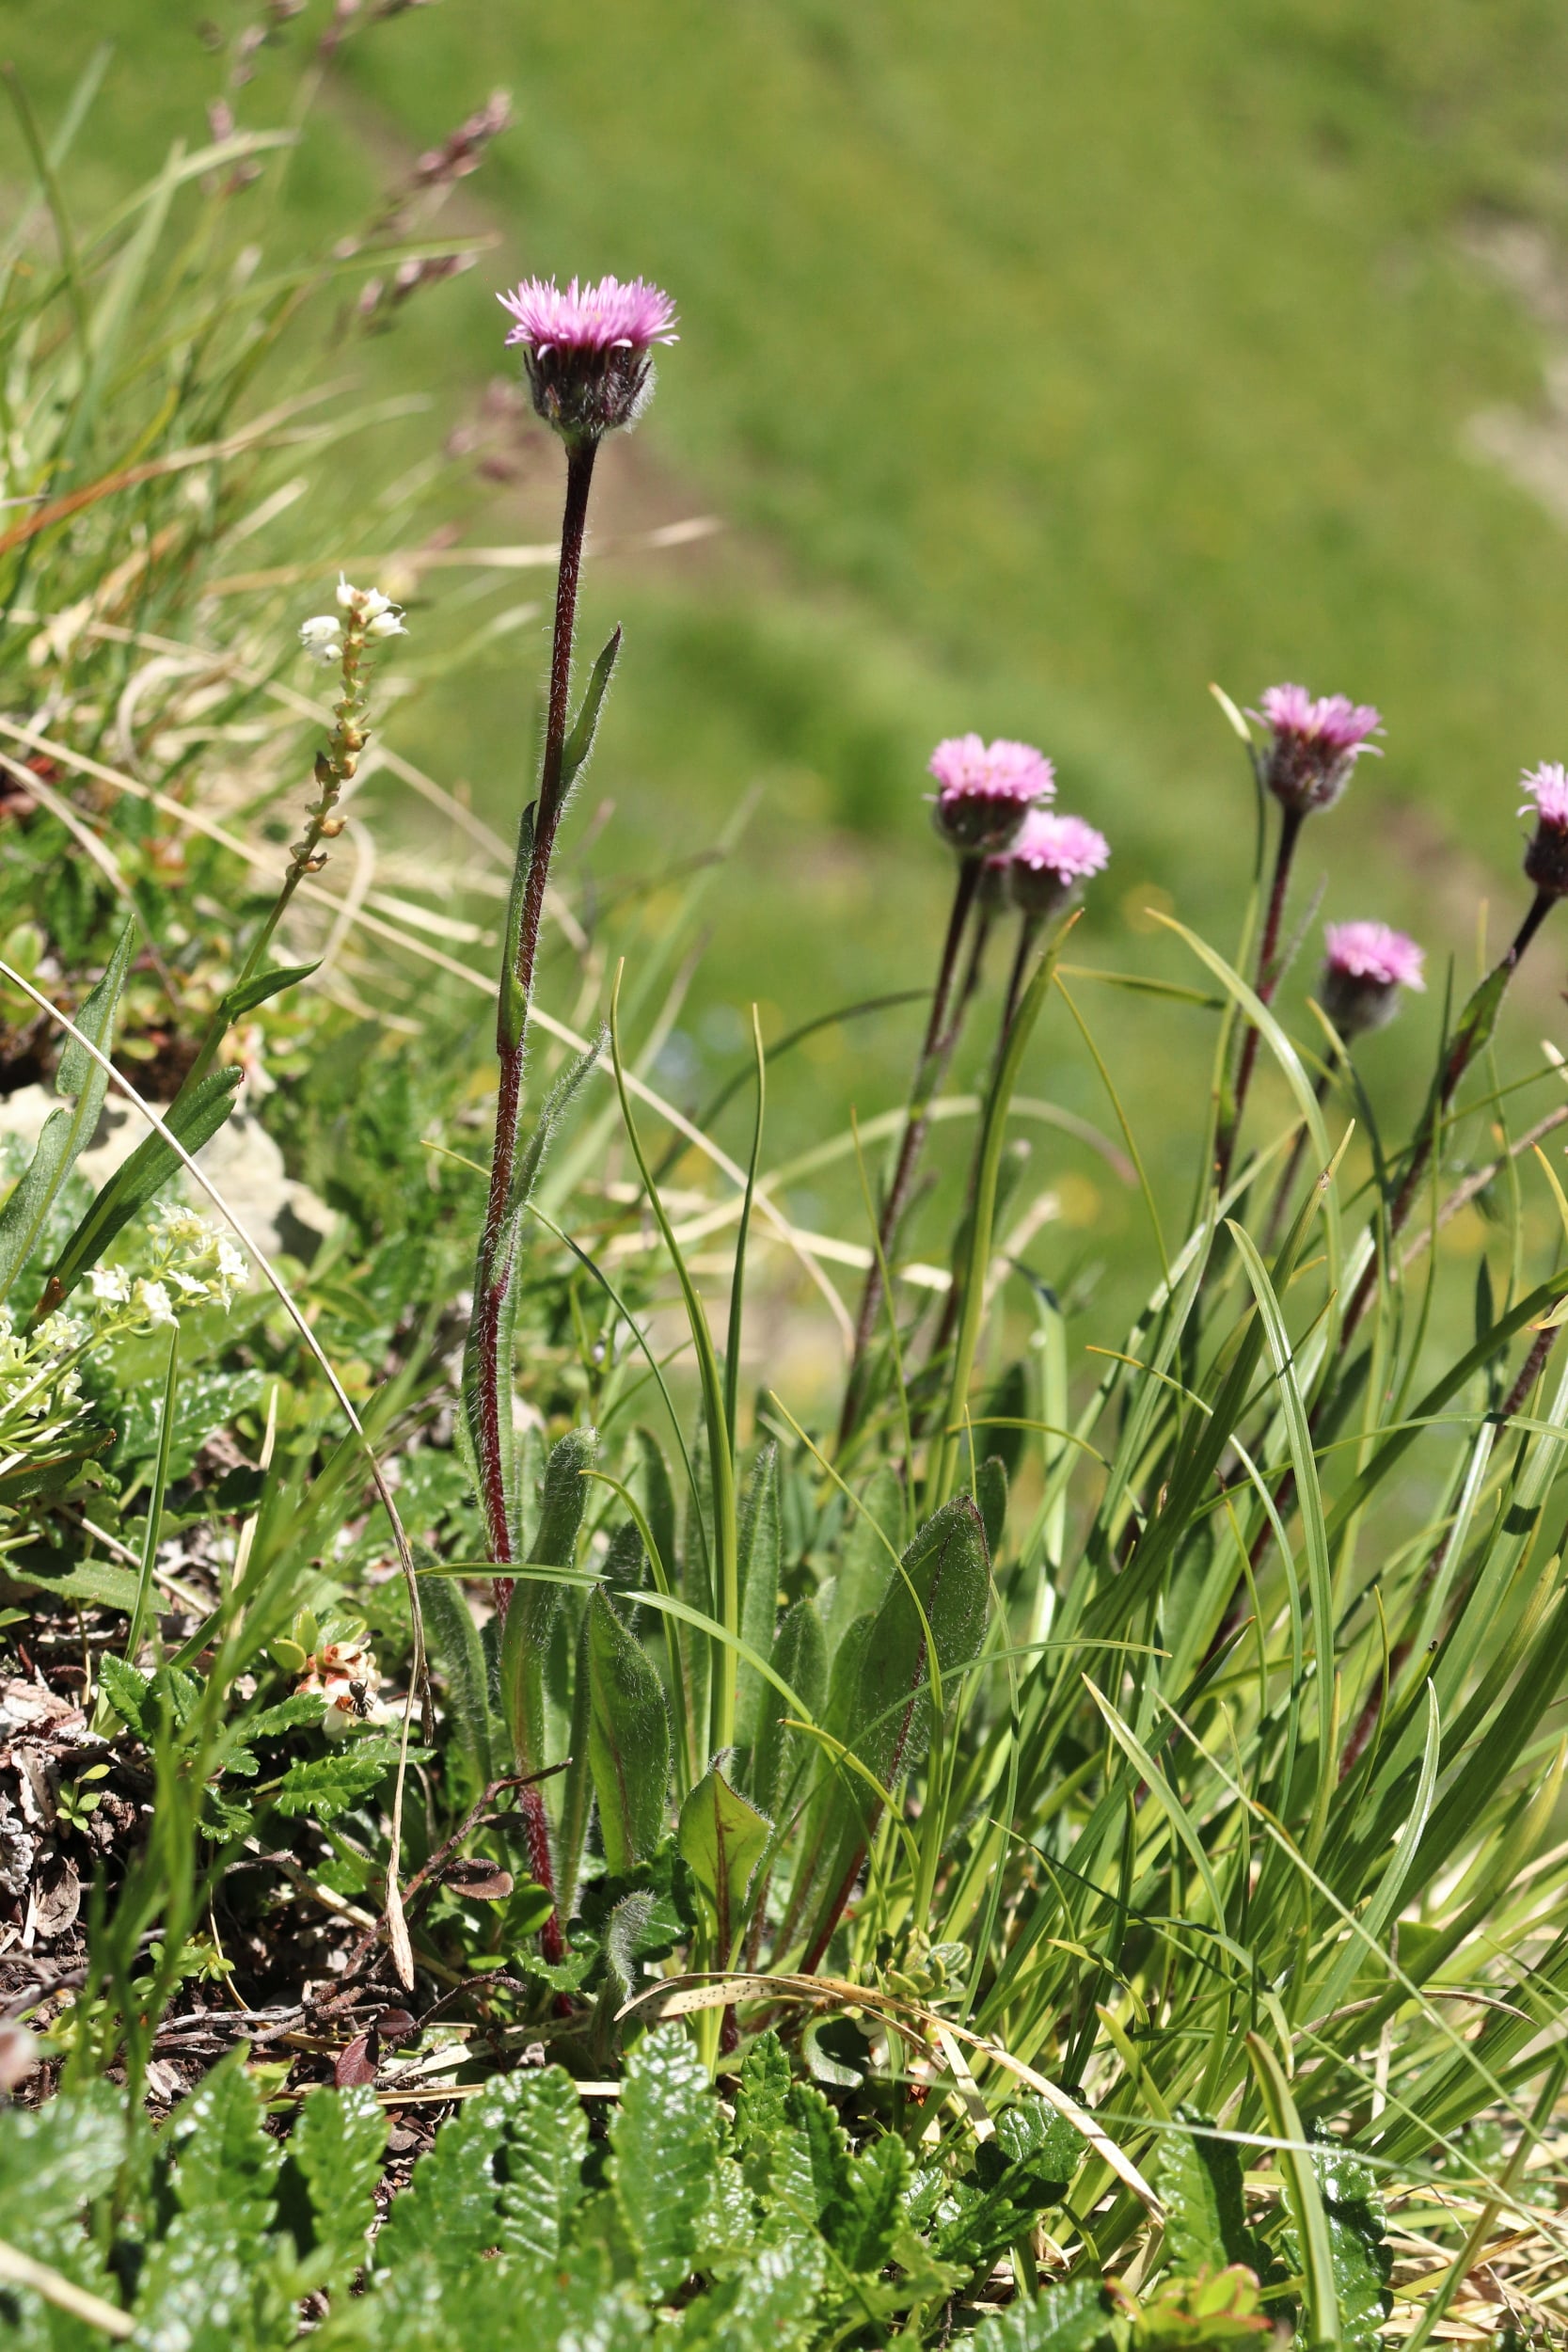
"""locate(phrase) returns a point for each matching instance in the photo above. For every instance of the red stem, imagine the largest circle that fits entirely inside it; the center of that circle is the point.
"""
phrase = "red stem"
(1267, 981)
(498, 1245)
(935, 1054)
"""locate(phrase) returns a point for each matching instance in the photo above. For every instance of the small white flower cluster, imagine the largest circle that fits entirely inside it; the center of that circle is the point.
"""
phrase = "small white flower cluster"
(40, 1391)
(191, 1266)
(375, 615)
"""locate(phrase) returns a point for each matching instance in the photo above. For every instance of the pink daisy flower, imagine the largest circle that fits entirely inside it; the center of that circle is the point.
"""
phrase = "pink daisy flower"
(587, 349)
(1051, 856)
(1367, 965)
(1546, 858)
(1314, 744)
(1375, 951)
(986, 790)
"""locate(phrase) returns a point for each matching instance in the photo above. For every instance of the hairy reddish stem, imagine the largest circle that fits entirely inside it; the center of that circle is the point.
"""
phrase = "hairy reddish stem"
(936, 1051)
(497, 1248)
(1267, 981)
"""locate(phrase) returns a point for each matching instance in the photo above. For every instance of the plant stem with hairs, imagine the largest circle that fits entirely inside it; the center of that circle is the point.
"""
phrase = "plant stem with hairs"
(1267, 981)
(936, 1051)
(498, 1245)
(1474, 1028)
(490, 1331)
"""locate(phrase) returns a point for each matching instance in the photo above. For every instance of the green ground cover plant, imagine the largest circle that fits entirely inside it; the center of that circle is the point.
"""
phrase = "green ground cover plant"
(519, 1821)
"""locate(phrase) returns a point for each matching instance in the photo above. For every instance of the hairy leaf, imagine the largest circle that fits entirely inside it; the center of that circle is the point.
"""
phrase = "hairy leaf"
(629, 1739)
(760, 1563)
(721, 1838)
(331, 2171)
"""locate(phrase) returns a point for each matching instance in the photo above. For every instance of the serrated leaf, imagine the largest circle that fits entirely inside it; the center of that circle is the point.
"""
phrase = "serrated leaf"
(868, 2221)
(629, 1739)
(665, 2139)
(767, 2304)
(1069, 2318)
(1199, 2181)
(451, 2210)
(761, 2117)
(54, 2161)
(223, 2161)
(540, 2166)
(1017, 2175)
(1359, 2251)
(335, 2155)
(721, 1838)
(127, 1692)
(329, 1784)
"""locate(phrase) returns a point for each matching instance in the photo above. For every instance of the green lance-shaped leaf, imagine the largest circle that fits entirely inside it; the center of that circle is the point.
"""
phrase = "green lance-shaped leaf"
(454, 1638)
(721, 1838)
(499, 1256)
(66, 1131)
(938, 1599)
(585, 726)
(760, 1558)
(193, 1118)
(990, 1493)
(534, 1604)
(800, 1659)
(1303, 2198)
(861, 1580)
(665, 2139)
(629, 1739)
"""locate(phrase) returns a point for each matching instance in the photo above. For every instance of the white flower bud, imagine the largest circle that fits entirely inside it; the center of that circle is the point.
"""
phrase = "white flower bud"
(321, 638)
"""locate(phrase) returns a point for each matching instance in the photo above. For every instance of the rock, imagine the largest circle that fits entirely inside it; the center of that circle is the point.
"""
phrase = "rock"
(243, 1161)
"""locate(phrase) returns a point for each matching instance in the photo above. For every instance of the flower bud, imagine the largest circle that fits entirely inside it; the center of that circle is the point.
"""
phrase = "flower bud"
(1366, 966)
(323, 639)
(1313, 746)
(1546, 858)
(1052, 856)
(587, 351)
(987, 790)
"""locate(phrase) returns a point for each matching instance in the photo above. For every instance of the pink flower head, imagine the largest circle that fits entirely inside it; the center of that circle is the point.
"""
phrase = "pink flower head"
(1051, 856)
(1375, 951)
(587, 350)
(986, 790)
(1367, 965)
(1314, 744)
(1546, 858)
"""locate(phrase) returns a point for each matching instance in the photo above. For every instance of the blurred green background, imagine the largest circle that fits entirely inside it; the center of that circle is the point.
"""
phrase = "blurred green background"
(1041, 363)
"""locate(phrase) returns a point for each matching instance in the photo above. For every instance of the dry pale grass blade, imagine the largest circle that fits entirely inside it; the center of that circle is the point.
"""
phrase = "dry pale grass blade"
(419, 1679)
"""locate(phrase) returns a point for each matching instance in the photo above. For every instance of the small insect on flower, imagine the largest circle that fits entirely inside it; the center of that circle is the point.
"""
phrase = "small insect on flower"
(587, 350)
(986, 790)
(1314, 745)
(1366, 966)
(1050, 857)
(1546, 858)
